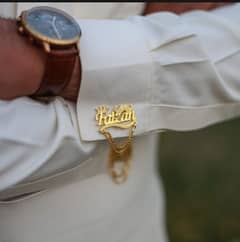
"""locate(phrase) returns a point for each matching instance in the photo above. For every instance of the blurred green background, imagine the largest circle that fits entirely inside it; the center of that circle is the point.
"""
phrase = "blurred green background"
(201, 173)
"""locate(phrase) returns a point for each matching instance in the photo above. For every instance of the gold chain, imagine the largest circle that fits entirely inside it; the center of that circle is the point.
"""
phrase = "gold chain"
(120, 153)
(119, 148)
(122, 116)
(121, 176)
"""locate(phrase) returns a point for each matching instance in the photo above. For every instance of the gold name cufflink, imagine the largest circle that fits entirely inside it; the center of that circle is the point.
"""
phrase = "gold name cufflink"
(122, 117)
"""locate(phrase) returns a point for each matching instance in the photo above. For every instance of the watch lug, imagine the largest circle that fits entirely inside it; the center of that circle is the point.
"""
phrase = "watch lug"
(20, 29)
(46, 47)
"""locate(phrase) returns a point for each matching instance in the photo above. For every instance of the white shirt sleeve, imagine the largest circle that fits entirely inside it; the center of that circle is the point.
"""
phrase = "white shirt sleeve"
(179, 72)
(38, 140)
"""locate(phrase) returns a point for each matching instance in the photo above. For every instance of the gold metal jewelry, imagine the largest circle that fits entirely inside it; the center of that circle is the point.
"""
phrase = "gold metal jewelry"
(25, 27)
(122, 116)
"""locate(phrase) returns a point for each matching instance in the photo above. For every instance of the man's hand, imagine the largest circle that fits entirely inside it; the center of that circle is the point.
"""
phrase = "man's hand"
(179, 8)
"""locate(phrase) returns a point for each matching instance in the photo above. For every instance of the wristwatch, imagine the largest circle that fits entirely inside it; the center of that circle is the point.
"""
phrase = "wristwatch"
(57, 33)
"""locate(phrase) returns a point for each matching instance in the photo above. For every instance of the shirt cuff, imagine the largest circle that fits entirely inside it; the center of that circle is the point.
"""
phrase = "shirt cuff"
(116, 69)
(119, 66)
(160, 65)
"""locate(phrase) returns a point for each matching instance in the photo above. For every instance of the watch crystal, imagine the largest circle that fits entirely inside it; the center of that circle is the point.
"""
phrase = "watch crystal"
(52, 23)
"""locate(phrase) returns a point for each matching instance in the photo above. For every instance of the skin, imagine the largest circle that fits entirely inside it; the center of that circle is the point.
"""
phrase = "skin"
(182, 7)
(28, 62)
(18, 55)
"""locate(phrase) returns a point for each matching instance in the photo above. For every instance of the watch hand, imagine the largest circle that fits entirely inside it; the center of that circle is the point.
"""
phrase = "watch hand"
(54, 27)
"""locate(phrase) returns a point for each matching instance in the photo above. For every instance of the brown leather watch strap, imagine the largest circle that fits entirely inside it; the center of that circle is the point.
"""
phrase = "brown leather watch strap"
(58, 71)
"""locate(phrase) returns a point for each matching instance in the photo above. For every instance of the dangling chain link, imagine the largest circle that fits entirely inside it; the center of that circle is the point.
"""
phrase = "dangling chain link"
(118, 148)
(123, 117)
(120, 153)
(120, 176)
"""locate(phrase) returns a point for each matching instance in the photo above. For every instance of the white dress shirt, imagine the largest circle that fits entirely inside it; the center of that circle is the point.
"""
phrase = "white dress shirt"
(179, 72)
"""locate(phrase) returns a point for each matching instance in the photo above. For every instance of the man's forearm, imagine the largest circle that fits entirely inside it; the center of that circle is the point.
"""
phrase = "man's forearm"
(21, 64)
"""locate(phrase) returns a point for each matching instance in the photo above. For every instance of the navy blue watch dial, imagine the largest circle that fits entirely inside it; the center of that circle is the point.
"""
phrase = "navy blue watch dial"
(52, 23)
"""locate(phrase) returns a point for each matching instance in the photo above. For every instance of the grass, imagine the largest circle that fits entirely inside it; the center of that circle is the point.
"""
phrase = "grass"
(201, 173)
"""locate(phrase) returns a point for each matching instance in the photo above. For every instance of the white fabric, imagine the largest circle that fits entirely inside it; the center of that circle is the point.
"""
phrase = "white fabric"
(165, 65)
(169, 68)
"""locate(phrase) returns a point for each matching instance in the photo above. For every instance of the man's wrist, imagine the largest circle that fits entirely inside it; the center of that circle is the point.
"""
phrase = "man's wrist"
(21, 63)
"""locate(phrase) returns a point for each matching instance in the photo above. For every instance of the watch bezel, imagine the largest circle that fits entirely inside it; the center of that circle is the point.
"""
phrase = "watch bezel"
(44, 38)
